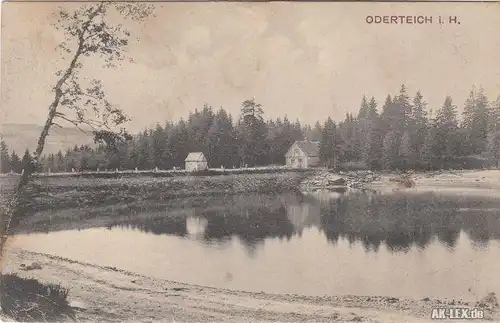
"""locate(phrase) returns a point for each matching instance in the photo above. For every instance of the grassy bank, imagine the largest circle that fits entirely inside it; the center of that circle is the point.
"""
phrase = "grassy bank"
(55, 193)
(161, 173)
(28, 300)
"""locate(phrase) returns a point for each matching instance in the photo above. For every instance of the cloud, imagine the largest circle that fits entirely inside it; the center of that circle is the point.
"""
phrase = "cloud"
(306, 60)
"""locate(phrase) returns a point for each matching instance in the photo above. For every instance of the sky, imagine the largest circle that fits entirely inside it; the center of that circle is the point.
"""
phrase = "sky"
(303, 60)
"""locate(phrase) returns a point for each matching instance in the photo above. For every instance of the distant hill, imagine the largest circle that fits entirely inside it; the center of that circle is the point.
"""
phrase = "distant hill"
(18, 137)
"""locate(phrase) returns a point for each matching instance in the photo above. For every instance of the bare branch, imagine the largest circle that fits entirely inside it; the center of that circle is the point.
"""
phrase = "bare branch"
(75, 123)
(56, 124)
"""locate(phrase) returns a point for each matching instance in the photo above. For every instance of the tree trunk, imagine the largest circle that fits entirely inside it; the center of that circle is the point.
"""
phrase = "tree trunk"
(30, 169)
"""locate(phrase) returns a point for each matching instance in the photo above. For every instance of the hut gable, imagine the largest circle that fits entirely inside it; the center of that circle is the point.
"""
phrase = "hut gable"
(310, 148)
(195, 157)
(307, 148)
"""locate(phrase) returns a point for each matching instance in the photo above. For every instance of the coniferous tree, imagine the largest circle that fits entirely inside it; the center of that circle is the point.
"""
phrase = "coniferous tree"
(15, 163)
(419, 125)
(475, 121)
(328, 145)
(493, 140)
(494, 116)
(179, 141)
(26, 161)
(446, 128)
(51, 163)
(59, 162)
(363, 110)
(428, 153)
(406, 153)
(349, 133)
(494, 148)
(132, 155)
(372, 110)
(252, 132)
(158, 146)
(144, 158)
(391, 150)
(315, 134)
(402, 110)
(369, 142)
(388, 119)
(220, 141)
(5, 164)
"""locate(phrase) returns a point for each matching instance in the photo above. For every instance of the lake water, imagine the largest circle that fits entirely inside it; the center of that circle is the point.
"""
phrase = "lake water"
(402, 244)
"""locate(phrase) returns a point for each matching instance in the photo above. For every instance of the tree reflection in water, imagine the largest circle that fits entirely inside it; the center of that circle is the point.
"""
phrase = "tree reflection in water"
(399, 221)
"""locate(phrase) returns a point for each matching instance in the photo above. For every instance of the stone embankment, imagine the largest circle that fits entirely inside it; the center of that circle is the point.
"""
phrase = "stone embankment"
(334, 181)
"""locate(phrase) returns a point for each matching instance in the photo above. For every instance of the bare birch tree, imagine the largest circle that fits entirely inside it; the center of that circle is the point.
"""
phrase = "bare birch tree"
(77, 100)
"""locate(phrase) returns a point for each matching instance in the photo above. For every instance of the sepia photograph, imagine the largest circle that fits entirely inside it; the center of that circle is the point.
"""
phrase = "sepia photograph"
(249, 162)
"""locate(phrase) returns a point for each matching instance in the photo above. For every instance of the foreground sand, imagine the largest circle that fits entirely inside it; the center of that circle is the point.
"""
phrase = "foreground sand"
(109, 294)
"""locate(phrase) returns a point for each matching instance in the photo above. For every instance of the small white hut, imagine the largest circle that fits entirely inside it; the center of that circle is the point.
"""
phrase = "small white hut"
(196, 161)
(303, 154)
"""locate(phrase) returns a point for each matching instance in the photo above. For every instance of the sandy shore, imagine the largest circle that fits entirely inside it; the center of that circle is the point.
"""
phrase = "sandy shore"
(109, 294)
(473, 181)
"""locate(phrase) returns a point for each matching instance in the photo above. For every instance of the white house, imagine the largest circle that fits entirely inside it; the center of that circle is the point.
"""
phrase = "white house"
(303, 154)
(196, 161)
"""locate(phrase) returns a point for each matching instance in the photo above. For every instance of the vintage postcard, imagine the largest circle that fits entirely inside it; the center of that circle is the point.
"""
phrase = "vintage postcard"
(250, 162)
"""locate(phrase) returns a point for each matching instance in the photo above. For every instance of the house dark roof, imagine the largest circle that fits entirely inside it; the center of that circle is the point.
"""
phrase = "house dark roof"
(195, 157)
(310, 148)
